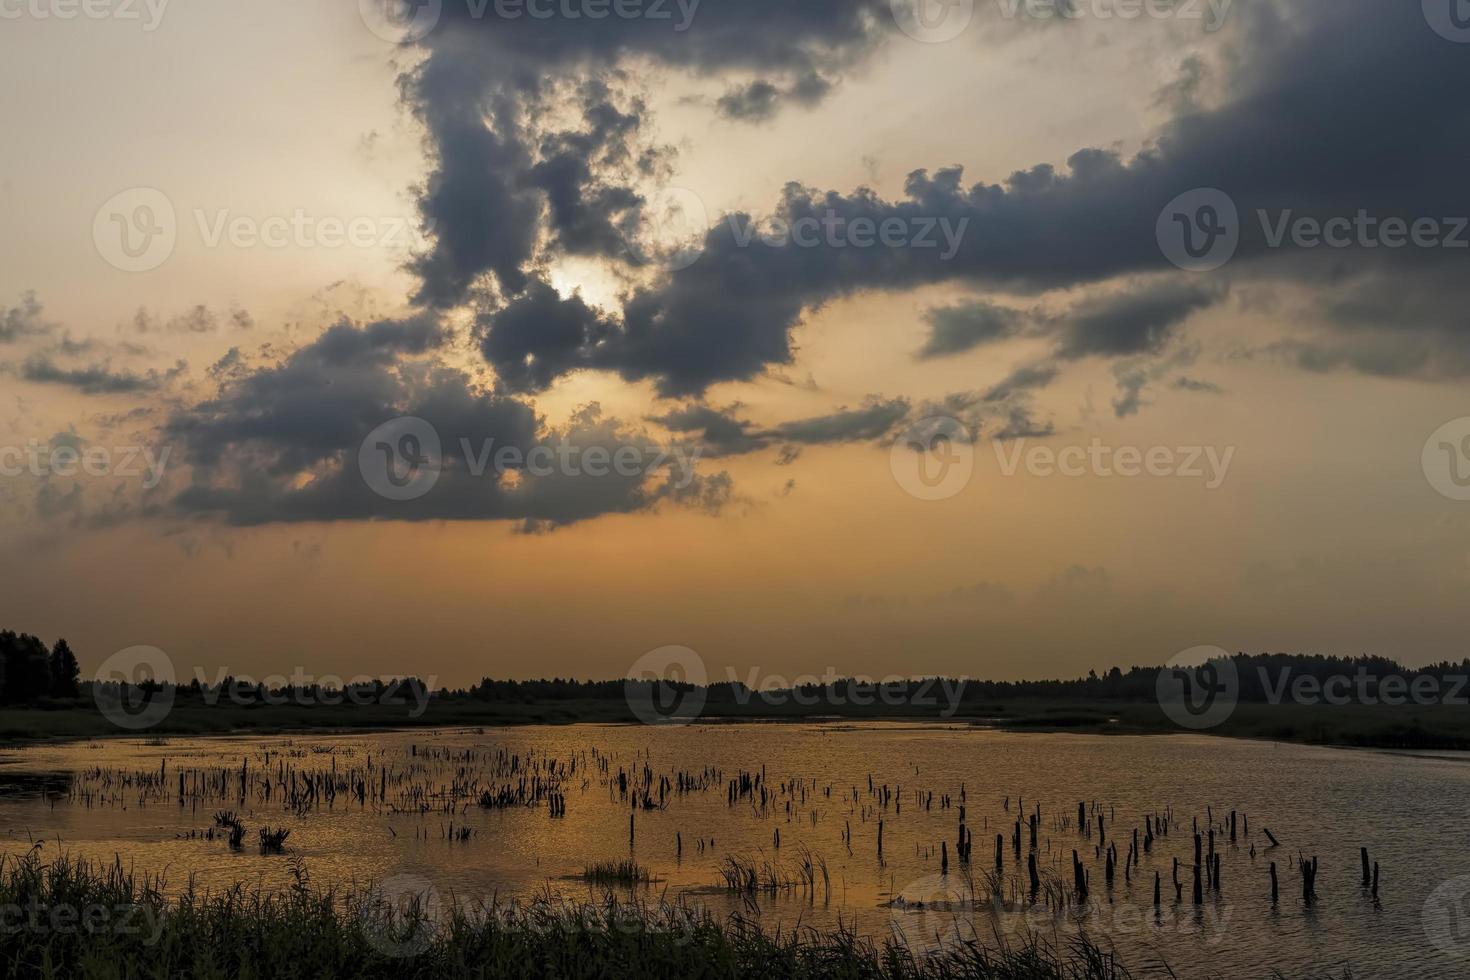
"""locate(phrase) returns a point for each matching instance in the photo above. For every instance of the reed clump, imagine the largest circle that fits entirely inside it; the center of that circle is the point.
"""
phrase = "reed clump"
(625, 873)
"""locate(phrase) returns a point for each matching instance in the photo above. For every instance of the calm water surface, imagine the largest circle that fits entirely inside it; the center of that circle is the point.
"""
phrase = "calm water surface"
(101, 799)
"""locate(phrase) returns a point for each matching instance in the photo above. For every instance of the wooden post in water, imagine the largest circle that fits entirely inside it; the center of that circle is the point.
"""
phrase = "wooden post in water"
(1273, 882)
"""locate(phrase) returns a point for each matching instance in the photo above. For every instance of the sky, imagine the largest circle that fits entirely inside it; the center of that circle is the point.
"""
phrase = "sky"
(1001, 338)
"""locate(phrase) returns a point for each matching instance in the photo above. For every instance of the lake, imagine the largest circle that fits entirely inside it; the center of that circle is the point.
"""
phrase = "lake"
(475, 815)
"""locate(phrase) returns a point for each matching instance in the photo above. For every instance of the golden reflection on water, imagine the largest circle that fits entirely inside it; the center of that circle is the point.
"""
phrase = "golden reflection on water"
(120, 798)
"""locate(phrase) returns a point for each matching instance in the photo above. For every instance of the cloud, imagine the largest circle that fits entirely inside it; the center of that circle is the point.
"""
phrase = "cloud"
(874, 420)
(1024, 378)
(281, 443)
(722, 433)
(1138, 320)
(21, 321)
(761, 100)
(198, 319)
(1306, 82)
(1183, 383)
(956, 329)
(97, 379)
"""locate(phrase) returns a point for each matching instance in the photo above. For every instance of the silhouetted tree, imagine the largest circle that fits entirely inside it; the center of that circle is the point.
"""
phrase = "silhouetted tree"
(65, 671)
(27, 668)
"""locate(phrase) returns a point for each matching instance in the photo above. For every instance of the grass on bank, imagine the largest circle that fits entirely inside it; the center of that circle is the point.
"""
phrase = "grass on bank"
(1421, 727)
(51, 929)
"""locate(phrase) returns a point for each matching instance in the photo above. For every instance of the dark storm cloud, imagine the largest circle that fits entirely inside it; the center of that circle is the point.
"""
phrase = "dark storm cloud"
(1183, 383)
(720, 432)
(956, 329)
(539, 337)
(753, 103)
(486, 79)
(761, 99)
(1025, 378)
(23, 320)
(873, 421)
(281, 443)
(583, 174)
(96, 379)
(1333, 107)
(1139, 320)
(723, 433)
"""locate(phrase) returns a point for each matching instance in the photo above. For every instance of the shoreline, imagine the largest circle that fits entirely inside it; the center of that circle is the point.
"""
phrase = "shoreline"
(1428, 744)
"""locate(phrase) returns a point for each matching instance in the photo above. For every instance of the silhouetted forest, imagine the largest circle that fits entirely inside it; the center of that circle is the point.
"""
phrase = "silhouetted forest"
(29, 672)
(32, 674)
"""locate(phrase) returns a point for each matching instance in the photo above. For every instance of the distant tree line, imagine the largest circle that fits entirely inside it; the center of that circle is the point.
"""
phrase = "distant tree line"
(31, 673)
(1258, 675)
